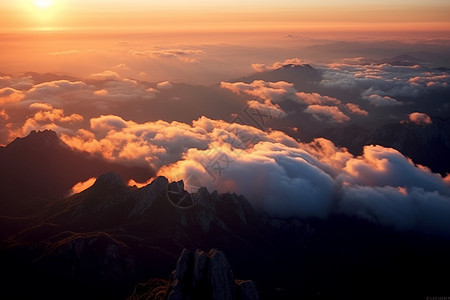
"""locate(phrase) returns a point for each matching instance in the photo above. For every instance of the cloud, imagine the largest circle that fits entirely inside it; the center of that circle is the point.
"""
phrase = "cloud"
(65, 52)
(262, 90)
(277, 179)
(328, 113)
(47, 117)
(315, 98)
(392, 81)
(124, 90)
(106, 75)
(18, 83)
(270, 93)
(277, 65)
(121, 67)
(420, 118)
(355, 109)
(82, 185)
(164, 85)
(184, 55)
(10, 95)
(266, 109)
(279, 175)
(45, 90)
(380, 166)
(3, 115)
(378, 100)
(431, 80)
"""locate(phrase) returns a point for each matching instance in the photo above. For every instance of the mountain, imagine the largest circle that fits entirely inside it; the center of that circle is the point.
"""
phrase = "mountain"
(304, 77)
(100, 243)
(425, 144)
(41, 168)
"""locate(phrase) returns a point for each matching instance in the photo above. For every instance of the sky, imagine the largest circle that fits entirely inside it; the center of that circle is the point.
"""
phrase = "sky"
(223, 15)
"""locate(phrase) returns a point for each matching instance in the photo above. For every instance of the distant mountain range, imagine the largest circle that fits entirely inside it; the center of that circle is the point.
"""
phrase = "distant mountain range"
(100, 243)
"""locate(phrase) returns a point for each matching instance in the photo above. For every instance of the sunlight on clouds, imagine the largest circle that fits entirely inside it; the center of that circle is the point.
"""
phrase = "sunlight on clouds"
(82, 185)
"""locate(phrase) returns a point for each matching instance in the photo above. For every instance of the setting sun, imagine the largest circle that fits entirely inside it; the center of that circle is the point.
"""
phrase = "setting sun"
(43, 3)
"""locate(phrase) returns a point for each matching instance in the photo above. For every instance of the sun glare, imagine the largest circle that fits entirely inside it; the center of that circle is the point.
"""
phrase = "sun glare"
(43, 3)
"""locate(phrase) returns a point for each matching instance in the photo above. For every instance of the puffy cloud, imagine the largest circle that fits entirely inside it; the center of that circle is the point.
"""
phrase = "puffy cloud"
(40, 106)
(10, 95)
(380, 166)
(55, 88)
(315, 98)
(273, 91)
(124, 90)
(378, 100)
(105, 124)
(277, 65)
(431, 80)
(328, 113)
(419, 118)
(269, 93)
(267, 109)
(18, 83)
(276, 178)
(47, 117)
(106, 75)
(389, 80)
(355, 109)
(121, 67)
(164, 85)
(184, 55)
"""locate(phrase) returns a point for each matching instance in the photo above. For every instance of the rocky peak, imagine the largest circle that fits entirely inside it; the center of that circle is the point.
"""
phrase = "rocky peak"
(202, 275)
(109, 178)
(35, 139)
(199, 275)
(148, 194)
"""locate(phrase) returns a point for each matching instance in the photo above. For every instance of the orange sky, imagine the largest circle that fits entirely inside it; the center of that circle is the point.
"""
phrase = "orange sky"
(230, 15)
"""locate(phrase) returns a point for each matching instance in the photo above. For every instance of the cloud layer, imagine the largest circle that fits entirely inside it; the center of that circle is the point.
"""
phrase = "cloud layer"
(278, 174)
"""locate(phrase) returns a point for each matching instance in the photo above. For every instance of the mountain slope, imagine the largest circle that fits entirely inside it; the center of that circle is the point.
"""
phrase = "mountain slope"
(40, 167)
(101, 242)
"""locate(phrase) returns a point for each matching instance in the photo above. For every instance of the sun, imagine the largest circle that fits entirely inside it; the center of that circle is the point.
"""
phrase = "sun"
(43, 3)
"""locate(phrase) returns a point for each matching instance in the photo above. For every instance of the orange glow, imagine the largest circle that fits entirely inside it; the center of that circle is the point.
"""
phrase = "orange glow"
(145, 16)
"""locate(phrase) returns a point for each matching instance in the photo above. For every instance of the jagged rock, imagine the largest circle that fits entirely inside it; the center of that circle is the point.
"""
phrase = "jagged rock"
(148, 194)
(220, 276)
(246, 289)
(109, 178)
(199, 275)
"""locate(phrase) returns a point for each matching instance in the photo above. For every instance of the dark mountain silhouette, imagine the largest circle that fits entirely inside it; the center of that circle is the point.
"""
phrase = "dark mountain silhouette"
(41, 168)
(100, 243)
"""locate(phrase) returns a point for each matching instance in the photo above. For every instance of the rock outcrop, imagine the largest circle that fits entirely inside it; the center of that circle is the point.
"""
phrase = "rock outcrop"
(198, 275)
